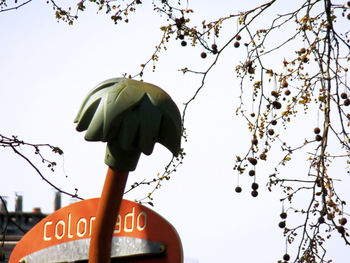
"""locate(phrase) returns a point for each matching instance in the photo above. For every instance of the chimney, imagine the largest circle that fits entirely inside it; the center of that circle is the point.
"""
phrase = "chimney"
(36, 210)
(18, 203)
(3, 204)
(57, 201)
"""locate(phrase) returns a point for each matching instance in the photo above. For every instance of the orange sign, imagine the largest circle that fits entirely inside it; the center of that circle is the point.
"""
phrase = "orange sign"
(64, 236)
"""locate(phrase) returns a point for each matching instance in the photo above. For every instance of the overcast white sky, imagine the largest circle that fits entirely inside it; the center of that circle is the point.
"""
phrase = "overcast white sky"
(47, 69)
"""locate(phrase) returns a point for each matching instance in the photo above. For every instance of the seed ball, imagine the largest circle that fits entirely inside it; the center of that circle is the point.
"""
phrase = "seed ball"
(347, 101)
(317, 130)
(341, 229)
(251, 173)
(348, 16)
(270, 132)
(321, 220)
(348, 3)
(253, 161)
(238, 37)
(255, 193)
(275, 93)
(255, 186)
(203, 55)
(252, 115)
(284, 84)
(282, 224)
(286, 257)
(255, 141)
(183, 43)
(181, 37)
(344, 96)
(304, 59)
(318, 138)
(263, 156)
(251, 70)
(302, 50)
(273, 122)
(283, 215)
(287, 92)
(277, 105)
(214, 48)
(236, 44)
(238, 189)
(343, 221)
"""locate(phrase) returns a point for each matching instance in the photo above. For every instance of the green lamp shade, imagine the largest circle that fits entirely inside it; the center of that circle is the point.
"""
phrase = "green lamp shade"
(131, 116)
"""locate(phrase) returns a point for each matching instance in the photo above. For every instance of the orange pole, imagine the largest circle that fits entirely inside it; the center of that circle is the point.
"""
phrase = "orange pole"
(106, 216)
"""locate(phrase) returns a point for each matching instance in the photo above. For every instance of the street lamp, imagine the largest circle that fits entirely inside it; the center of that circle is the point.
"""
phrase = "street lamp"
(131, 116)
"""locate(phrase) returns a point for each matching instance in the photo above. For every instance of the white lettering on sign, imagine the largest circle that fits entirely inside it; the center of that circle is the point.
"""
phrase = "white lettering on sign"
(129, 217)
(83, 227)
(81, 220)
(69, 219)
(117, 228)
(60, 223)
(92, 219)
(46, 238)
(144, 216)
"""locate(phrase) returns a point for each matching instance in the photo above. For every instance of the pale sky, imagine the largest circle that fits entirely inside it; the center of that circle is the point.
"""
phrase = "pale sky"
(47, 69)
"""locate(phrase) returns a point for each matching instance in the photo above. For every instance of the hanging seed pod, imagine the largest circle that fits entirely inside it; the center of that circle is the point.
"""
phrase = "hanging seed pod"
(255, 141)
(252, 160)
(255, 186)
(287, 92)
(318, 138)
(263, 156)
(238, 189)
(343, 221)
(275, 93)
(282, 224)
(283, 215)
(276, 104)
(251, 173)
(255, 193)
(344, 96)
(286, 257)
(284, 84)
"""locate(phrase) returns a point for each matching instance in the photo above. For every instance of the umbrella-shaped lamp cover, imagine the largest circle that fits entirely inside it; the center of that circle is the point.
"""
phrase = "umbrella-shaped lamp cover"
(131, 116)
